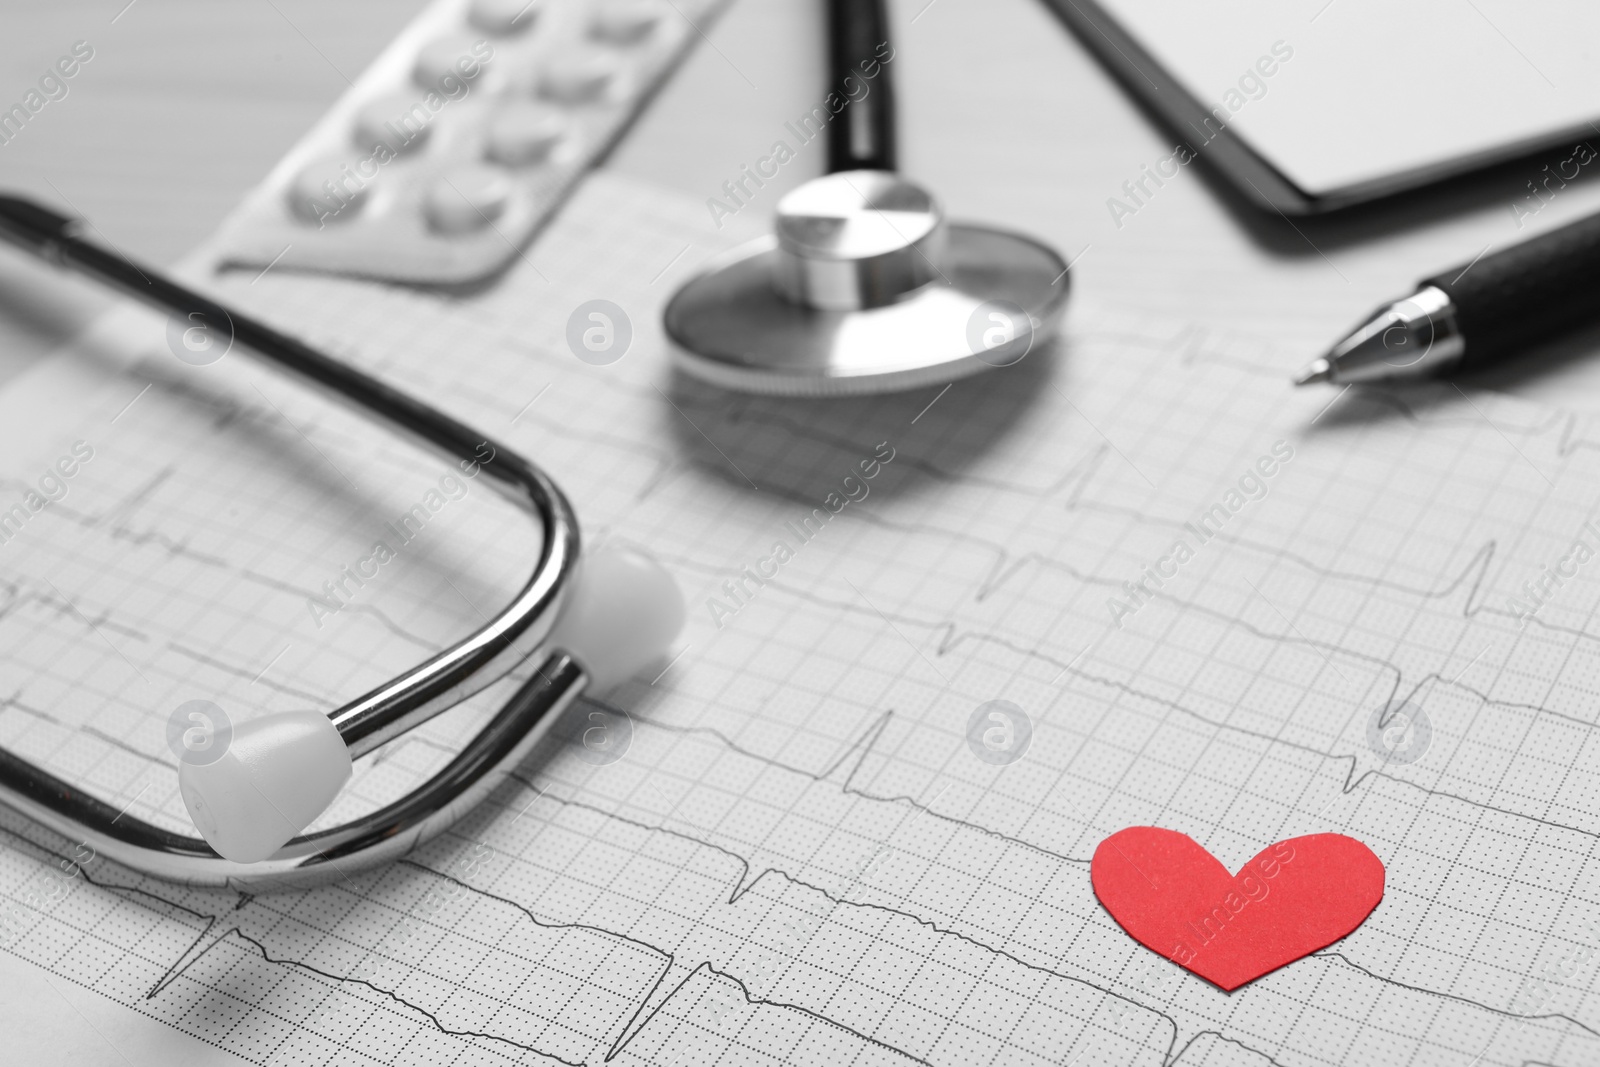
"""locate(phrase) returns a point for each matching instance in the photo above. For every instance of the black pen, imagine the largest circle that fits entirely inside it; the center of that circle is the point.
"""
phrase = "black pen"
(1477, 314)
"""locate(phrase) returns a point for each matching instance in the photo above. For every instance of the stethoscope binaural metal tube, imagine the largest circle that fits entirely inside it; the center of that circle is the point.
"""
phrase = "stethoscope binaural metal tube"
(506, 641)
(365, 723)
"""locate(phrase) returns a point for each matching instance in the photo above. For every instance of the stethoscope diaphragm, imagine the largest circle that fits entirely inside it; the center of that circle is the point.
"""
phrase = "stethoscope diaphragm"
(865, 288)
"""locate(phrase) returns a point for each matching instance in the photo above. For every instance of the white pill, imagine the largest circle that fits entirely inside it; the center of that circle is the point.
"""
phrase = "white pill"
(468, 198)
(577, 77)
(504, 17)
(332, 189)
(398, 121)
(278, 774)
(625, 21)
(522, 132)
(623, 612)
(459, 57)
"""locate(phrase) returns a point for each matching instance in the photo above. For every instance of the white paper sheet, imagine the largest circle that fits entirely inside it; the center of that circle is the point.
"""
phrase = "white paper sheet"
(800, 858)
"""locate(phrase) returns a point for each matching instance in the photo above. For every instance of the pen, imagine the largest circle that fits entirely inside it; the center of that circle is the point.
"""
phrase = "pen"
(1477, 314)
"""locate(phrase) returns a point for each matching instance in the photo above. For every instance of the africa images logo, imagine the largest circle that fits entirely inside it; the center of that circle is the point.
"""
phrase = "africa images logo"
(52, 86)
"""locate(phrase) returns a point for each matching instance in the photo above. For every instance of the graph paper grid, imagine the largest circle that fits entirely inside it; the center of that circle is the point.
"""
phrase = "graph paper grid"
(800, 859)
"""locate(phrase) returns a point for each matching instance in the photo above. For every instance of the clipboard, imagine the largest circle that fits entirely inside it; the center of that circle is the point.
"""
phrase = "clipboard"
(1314, 106)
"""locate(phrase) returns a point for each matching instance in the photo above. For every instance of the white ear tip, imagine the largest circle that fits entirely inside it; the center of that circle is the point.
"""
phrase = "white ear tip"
(278, 774)
(624, 611)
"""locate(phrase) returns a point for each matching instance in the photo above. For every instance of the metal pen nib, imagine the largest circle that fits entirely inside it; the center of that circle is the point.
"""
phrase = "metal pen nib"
(1412, 338)
(1318, 370)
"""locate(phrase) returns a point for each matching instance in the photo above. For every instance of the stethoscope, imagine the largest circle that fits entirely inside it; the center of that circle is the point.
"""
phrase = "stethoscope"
(579, 624)
(864, 287)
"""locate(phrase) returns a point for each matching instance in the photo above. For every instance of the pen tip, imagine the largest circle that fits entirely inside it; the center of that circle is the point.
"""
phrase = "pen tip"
(1318, 370)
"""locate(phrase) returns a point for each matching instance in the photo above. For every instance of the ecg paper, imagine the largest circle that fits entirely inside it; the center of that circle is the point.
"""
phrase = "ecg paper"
(800, 859)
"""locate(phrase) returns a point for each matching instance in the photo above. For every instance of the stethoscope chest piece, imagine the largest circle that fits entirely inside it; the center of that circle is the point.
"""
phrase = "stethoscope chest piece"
(865, 288)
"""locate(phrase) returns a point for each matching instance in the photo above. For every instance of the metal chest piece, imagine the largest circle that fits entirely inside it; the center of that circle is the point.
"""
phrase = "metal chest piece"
(865, 288)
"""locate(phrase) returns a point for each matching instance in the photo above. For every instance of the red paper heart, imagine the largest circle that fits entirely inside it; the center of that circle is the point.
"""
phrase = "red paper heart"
(1295, 897)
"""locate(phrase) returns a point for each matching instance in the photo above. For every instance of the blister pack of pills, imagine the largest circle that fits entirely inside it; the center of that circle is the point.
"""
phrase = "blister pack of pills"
(452, 148)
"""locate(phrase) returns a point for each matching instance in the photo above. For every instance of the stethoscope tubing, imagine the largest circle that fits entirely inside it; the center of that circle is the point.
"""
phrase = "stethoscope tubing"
(863, 137)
